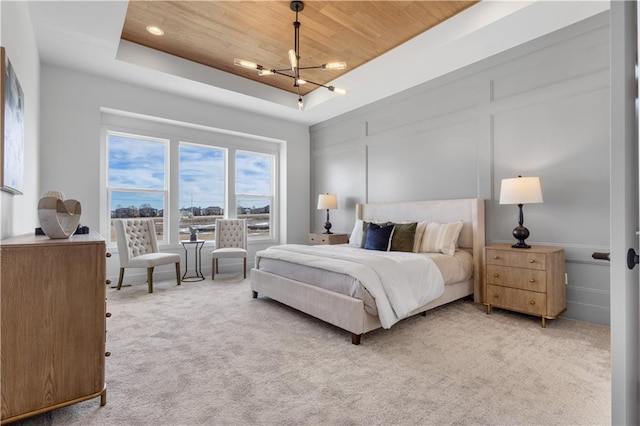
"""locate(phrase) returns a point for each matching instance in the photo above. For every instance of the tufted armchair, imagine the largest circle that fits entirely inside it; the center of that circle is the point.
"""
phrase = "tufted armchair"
(231, 242)
(138, 248)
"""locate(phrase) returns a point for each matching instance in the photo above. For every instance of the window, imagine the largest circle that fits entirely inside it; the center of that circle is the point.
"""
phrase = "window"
(202, 189)
(187, 176)
(136, 178)
(254, 191)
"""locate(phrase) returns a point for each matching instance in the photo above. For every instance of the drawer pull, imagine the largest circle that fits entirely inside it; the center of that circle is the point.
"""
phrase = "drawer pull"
(108, 314)
(496, 257)
(496, 295)
(108, 254)
(108, 282)
(532, 302)
(496, 275)
(532, 261)
(532, 280)
(107, 354)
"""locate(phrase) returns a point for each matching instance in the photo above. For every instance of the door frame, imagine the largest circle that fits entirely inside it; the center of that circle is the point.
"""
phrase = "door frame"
(624, 216)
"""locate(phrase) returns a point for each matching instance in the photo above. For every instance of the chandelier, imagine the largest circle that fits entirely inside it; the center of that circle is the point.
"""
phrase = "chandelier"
(294, 59)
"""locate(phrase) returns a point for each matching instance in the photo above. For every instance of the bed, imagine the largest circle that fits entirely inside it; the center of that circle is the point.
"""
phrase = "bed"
(280, 274)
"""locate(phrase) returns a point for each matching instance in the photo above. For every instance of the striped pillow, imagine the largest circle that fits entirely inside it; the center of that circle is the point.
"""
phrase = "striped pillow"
(441, 238)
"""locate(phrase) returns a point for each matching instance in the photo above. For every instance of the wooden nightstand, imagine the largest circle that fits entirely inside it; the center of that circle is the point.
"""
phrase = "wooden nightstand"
(531, 281)
(317, 239)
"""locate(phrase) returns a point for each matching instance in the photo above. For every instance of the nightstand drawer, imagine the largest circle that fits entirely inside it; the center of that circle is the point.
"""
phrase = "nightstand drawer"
(518, 259)
(316, 239)
(529, 302)
(525, 279)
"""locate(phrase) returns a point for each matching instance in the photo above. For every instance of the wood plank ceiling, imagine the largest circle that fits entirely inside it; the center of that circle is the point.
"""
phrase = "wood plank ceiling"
(213, 33)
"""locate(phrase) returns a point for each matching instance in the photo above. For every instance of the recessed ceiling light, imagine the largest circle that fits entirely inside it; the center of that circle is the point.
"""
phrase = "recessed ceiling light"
(156, 31)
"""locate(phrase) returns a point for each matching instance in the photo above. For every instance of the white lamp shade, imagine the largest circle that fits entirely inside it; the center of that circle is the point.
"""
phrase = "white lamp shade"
(327, 202)
(521, 190)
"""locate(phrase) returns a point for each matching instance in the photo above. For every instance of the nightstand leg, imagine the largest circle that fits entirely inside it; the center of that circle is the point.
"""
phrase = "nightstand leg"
(488, 309)
(544, 322)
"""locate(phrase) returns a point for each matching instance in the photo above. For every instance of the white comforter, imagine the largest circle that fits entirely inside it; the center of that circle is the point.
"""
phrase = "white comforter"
(399, 282)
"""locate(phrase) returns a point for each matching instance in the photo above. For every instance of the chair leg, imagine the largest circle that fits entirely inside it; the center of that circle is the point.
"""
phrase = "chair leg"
(213, 268)
(217, 265)
(178, 272)
(150, 279)
(245, 267)
(120, 278)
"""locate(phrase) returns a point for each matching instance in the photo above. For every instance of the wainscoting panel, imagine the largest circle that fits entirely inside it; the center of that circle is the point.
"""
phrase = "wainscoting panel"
(340, 171)
(415, 167)
(540, 109)
(572, 58)
(561, 142)
(445, 100)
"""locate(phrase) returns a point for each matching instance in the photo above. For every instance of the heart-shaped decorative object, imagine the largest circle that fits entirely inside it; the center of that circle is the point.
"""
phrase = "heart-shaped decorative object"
(59, 218)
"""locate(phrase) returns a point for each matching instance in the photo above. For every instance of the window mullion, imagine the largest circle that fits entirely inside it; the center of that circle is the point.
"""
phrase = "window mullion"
(232, 201)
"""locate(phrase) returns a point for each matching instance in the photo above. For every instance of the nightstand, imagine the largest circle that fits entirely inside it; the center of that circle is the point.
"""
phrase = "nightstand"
(317, 239)
(531, 281)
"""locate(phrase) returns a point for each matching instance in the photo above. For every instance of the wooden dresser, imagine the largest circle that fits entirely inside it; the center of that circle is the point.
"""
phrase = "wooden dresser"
(52, 323)
(531, 281)
(318, 238)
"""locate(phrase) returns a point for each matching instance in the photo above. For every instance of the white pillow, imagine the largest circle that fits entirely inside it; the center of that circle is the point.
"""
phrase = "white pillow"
(417, 242)
(355, 239)
(441, 238)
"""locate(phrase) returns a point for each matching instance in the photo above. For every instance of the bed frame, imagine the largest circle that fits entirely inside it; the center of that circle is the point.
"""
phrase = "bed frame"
(347, 312)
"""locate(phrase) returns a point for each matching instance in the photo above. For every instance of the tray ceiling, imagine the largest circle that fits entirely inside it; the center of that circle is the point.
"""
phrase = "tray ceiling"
(213, 33)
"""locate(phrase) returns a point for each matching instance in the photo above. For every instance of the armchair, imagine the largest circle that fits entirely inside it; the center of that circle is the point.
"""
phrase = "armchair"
(138, 248)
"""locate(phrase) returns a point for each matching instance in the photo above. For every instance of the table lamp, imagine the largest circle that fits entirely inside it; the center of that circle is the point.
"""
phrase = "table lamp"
(327, 202)
(520, 191)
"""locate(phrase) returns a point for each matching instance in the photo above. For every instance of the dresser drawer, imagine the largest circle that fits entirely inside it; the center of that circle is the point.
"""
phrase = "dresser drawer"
(529, 302)
(525, 279)
(518, 259)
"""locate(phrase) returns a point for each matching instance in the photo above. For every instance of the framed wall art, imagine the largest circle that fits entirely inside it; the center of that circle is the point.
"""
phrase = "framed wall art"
(12, 125)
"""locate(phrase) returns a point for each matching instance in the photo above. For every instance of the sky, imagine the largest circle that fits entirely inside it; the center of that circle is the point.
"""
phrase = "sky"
(136, 163)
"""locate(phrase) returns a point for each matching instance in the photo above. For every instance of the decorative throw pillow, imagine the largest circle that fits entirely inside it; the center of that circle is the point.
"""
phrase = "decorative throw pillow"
(378, 237)
(365, 228)
(419, 234)
(441, 237)
(404, 235)
(355, 239)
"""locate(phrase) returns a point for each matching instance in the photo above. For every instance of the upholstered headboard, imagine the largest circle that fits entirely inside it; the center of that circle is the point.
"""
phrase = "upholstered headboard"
(468, 210)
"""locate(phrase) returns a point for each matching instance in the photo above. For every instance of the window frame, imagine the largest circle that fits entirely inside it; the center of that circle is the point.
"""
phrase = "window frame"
(162, 240)
(177, 132)
(225, 174)
(270, 197)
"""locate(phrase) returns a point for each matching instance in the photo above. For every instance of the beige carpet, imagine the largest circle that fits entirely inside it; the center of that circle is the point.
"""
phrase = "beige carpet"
(208, 353)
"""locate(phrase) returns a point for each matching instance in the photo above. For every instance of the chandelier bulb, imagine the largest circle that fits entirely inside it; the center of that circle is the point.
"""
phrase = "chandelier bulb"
(246, 64)
(337, 90)
(300, 104)
(334, 66)
(293, 58)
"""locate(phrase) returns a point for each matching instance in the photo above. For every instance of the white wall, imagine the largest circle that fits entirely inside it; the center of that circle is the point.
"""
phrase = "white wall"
(18, 213)
(540, 109)
(70, 152)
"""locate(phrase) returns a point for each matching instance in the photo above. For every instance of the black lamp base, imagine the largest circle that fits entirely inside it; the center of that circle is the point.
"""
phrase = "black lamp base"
(327, 226)
(521, 233)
